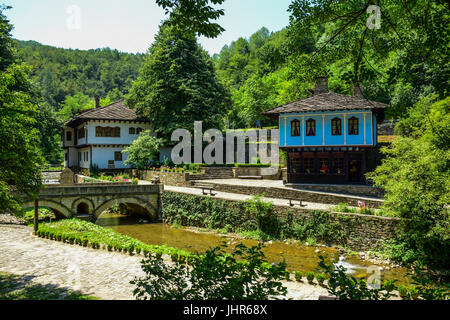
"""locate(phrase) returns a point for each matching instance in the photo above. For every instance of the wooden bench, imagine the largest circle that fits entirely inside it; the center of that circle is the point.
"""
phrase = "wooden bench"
(208, 188)
(292, 200)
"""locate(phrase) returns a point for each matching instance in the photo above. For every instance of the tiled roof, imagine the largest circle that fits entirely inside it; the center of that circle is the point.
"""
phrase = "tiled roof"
(329, 101)
(115, 111)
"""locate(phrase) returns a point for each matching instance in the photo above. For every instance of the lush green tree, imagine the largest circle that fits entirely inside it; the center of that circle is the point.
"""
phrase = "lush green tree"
(403, 59)
(50, 124)
(177, 85)
(79, 102)
(143, 150)
(242, 275)
(60, 73)
(20, 155)
(416, 178)
(194, 16)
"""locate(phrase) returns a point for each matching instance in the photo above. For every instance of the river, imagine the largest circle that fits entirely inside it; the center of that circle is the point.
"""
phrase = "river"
(297, 256)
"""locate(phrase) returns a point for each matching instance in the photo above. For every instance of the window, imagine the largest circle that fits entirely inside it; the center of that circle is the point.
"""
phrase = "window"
(66, 156)
(295, 128)
(294, 162)
(107, 132)
(310, 127)
(69, 136)
(308, 162)
(336, 127)
(353, 126)
(87, 156)
(117, 156)
(138, 130)
(79, 156)
(324, 165)
(338, 165)
(132, 131)
(81, 133)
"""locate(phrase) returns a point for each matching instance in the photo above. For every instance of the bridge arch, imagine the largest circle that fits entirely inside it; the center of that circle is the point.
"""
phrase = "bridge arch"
(139, 206)
(60, 210)
(83, 205)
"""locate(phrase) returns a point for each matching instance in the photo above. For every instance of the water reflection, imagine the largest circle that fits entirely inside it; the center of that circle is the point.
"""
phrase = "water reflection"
(297, 256)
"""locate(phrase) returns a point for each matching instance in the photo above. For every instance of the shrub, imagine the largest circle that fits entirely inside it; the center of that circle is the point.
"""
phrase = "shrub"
(414, 292)
(310, 276)
(213, 276)
(320, 278)
(298, 276)
(402, 291)
(287, 275)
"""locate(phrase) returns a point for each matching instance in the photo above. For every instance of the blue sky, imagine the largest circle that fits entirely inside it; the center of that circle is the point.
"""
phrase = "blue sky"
(130, 26)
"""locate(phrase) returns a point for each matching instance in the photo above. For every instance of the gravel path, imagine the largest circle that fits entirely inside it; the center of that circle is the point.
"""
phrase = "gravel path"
(93, 272)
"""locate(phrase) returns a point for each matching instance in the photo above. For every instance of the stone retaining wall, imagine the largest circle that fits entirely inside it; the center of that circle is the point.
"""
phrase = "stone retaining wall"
(286, 193)
(356, 190)
(179, 179)
(366, 231)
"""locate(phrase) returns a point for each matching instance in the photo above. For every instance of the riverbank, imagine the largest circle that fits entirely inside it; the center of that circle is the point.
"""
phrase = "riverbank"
(98, 273)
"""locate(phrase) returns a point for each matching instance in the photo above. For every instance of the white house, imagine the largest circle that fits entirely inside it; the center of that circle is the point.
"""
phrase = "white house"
(97, 136)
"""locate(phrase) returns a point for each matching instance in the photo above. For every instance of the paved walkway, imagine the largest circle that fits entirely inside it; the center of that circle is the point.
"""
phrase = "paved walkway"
(93, 272)
(243, 197)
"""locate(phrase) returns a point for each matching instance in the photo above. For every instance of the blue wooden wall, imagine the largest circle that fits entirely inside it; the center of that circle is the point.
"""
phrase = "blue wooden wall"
(366, 133)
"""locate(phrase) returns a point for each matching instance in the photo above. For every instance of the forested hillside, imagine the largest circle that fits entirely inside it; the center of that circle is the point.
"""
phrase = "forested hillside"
(61, 73)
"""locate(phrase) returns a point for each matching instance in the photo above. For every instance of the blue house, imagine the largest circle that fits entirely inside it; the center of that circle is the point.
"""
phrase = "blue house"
(329, 137)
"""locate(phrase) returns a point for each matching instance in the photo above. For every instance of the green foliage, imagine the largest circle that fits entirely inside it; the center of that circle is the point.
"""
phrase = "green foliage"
(177, 85)
(94, 170)
(402, 291)
(320, 278)
(298, 275)
(79, 102)
(262, 211)
(20, 155)
(309, 276)
(44, 214)
(253, 219)
(85, 233)
(416, 178)
(143, 150)
(398, 63)
(191, 16)
(346, 287)
(242, 275)
(71, 78)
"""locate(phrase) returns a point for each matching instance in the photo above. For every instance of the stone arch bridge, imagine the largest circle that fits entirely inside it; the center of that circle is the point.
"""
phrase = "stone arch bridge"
(68, 201)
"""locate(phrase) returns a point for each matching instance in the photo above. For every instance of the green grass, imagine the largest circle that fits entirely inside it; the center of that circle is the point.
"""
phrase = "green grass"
(14, 287)
(89, 234)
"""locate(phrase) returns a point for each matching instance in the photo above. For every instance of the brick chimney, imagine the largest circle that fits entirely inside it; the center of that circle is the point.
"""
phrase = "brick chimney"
(321, 85)
(97, 102)
(357, 91)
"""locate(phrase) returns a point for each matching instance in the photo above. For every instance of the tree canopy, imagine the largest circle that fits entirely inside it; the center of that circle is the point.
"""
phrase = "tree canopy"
(20, 154)
(177, 85)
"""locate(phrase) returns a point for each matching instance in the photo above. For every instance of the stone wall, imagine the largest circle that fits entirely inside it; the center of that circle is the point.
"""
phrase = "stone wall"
(179, 179)
(365, 231)
(304, 195)
(264, 172)
(357, 190)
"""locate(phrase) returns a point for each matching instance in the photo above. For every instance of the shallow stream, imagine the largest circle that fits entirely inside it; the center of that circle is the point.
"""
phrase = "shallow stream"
(297, 256)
